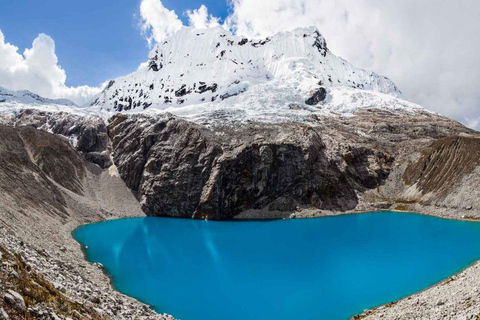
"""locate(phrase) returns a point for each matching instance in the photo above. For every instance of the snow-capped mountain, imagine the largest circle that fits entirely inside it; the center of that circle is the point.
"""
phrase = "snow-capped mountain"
(27, 97)
(203, 72)
(211, 76)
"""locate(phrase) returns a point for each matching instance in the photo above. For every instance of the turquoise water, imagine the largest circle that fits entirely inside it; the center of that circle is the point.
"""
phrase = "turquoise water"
(326, 268)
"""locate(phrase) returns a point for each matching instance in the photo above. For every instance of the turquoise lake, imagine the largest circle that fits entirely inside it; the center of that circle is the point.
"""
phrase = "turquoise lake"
(324, 268)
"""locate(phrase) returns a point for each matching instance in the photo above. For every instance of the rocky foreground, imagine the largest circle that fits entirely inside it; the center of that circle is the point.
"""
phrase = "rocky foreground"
(47, 189)
(59, 171)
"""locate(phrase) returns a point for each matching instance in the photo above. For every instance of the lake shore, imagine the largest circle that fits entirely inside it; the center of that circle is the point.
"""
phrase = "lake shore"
(62, 261)
(44, 241)
(457, 297)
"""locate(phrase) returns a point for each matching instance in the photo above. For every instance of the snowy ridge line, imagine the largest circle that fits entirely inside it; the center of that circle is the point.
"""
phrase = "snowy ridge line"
(211, 76)
(198, 66)
(340, 101)
(27, 97)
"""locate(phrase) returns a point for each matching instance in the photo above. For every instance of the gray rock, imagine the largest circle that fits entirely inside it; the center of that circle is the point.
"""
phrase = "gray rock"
(441, 302)
(15, 300)
(317, 96)
(54, 316)
(283, 204)
(87, 134)
(14, 274)
(3, 315)
(181, 169)
(177, 168)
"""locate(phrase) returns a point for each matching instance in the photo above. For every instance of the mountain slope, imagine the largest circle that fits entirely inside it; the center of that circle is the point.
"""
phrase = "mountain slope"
(201, 71)
(27, 97)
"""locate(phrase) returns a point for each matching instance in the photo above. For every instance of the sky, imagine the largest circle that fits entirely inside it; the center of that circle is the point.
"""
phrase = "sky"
(429, 48)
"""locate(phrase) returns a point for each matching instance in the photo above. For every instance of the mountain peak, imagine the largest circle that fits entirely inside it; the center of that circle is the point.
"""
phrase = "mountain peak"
(200, 69)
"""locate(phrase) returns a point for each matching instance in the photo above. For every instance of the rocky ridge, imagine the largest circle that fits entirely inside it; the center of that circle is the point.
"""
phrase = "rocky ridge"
(28, 97)
(211, 65)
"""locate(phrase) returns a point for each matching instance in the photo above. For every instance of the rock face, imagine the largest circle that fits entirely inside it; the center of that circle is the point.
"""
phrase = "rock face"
(166, 162)
(31, 162)
(88, 134)
(443, 164)
(178, 168)
(318, 96)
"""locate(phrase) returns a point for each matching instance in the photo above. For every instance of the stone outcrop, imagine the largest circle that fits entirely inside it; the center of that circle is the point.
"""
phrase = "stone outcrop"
(177, 168)
(317, 96)
(443, 164)
(181, 169)
(165, 161)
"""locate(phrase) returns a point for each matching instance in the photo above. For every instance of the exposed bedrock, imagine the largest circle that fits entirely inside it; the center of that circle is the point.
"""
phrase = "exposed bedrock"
(32, 162)
(447, 173)
(165, 161)
(182, 169)
(178, 168)
(88, 134)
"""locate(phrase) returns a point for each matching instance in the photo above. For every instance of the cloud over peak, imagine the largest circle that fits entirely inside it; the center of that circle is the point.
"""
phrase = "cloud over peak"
(200, 18)
(157, 21)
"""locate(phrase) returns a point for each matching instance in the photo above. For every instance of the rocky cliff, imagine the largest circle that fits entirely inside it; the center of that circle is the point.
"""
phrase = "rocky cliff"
(177, 168)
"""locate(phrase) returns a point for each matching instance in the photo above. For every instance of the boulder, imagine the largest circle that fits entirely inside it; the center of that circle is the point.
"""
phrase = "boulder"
(15, 300)
(317, 96)
(3, 315)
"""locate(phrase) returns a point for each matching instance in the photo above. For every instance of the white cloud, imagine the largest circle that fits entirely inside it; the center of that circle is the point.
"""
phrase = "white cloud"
(37, 70)
(200, 18)
(157, 21)
(429, 48)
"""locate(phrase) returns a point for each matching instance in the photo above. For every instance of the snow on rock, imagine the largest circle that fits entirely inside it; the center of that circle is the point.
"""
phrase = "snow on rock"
(28, 97)
(207, 67)
(210, 75)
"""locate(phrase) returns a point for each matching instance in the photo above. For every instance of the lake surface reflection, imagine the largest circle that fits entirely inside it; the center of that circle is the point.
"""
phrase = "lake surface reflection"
(325, 268)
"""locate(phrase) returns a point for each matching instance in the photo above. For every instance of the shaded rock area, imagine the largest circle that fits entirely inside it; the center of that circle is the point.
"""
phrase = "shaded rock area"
(177, 168)
(181, 169)
(166, 161)
(317, 97)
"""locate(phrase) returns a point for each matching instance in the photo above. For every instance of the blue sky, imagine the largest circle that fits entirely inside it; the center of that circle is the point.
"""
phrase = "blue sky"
(95, 40)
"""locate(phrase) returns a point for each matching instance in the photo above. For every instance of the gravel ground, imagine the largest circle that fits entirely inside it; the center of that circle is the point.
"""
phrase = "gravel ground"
(45, 242)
